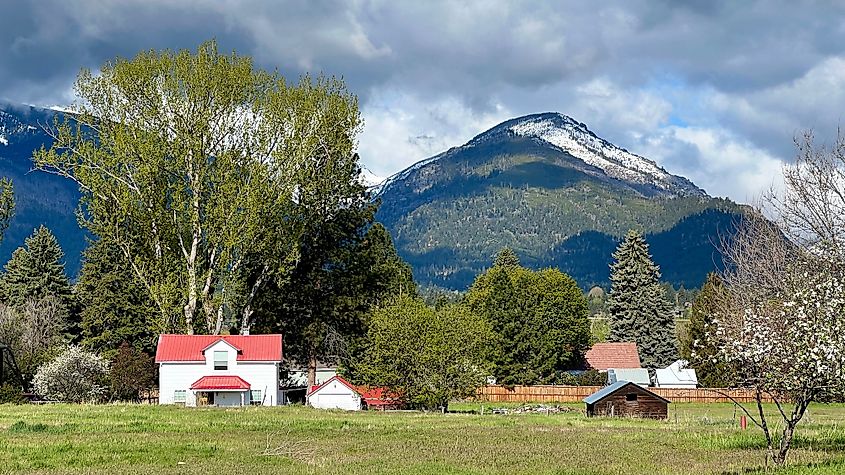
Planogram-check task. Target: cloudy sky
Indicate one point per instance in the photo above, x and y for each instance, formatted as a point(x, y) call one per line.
point(714, 91)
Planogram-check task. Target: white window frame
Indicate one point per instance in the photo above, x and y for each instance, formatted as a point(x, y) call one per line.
point(180, 396)
point(253, 400)
point(225, 360)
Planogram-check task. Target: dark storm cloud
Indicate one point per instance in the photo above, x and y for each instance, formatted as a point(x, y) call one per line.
point(752, 72)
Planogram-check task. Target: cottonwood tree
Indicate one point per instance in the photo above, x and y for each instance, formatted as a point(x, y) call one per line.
point(190, 162)
point(781, 321)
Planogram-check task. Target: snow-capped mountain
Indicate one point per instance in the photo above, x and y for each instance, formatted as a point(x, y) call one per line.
point(549, 188)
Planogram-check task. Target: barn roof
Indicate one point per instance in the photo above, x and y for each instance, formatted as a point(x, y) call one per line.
point(220, 383)
point(603, 356)
point(608, 390)
point(191, 347)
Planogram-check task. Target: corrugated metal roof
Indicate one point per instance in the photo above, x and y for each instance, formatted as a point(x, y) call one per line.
point(220, 382)
point(612, 355)
point(676, 374)
point(638, 376)
point(608, 390)
point(191, 347)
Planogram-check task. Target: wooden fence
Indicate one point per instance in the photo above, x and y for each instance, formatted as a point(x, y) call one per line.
point(577, 393)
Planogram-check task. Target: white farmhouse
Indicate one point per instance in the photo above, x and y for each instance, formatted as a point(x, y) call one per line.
point(219, 370)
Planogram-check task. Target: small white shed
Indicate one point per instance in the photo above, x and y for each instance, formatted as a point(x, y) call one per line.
point(677, 375)
point(336, 393)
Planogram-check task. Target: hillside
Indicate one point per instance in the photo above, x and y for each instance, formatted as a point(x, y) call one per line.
point(549, 188)
point(41, 198)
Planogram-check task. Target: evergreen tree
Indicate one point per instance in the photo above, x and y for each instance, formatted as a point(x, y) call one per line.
point(539, 320)
point(700, 346)
point(639, 311)
point(506, 258)
point(116, 309)
point(36, 271)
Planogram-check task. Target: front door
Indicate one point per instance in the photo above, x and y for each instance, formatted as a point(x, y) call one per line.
point(205, 398)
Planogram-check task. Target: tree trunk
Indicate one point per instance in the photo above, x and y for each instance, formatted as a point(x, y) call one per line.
point(312, 369)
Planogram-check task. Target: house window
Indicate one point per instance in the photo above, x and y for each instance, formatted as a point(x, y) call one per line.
point(255, 397)
point(221, 360)
point(179, 396)
point(631, 397)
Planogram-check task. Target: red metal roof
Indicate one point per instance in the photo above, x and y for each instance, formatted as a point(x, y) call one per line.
point(220, 382)
point(191, 347)
point(603, 356)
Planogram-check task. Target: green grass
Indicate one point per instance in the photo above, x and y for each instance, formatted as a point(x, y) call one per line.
point(697, 438)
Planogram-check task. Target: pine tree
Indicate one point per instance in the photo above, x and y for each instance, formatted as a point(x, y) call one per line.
point(639, 311)
point(506, 258)
point(36, 271)
point(116, 308)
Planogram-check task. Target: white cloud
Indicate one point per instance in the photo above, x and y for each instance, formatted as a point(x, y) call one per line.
point(401, 129)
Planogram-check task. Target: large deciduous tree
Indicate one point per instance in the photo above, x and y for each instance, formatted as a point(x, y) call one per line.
point(429, 356)
point(190, 163)
point(700, 345)
point(539, 320)
point(637, 305)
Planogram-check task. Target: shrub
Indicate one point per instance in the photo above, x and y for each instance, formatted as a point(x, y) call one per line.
point(11, 395)
point(75, 375)
point(131, 372)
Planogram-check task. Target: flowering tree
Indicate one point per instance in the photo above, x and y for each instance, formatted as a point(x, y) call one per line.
point(75, 375)
point(781, 321)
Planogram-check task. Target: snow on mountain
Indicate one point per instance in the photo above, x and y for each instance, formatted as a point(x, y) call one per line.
point(574, 138)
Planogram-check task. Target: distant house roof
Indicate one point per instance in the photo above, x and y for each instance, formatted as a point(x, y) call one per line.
point(677, 374)
point(191, 347)
point(637, 376)
point(608, 390)
point(603, 356)
point(220, 383)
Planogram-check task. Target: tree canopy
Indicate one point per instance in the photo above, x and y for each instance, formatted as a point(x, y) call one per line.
point(190, 163)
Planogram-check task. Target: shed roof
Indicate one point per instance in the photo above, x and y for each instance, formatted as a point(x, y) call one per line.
point(191, 347)
point(603, 356)
point(372, 395)
point(340, 379)
point(636, 375)
point(220, 383)
point(608, 390)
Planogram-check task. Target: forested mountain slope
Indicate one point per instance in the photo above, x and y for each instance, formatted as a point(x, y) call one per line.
point(558, 195)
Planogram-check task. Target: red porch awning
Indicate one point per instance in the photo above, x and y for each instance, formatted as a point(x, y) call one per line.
point(220, 383)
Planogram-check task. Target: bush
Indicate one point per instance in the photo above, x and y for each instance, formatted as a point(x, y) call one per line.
point(75, 375)
point(11, 395)
point(131, 372)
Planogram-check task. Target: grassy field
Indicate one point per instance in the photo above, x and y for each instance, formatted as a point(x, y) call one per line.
point(697, 438)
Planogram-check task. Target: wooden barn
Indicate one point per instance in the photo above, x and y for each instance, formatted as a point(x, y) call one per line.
point(624, 398)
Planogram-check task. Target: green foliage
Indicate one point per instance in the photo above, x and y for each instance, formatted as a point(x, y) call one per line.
point(639, 311)
point(346, 267)
point(428, 356)
point(539, 320)
point(449, 215)
point(10, 394)
point(700, 346)
point(33, 332)
point(599, 329)
point(188, 163)
point(36, 271)
point(115, 306)
point(7, 204)
point(585, 378)
point(130, 372)
point(506, 258)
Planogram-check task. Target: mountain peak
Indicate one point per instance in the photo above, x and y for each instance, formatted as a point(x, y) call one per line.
point(574, 138)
